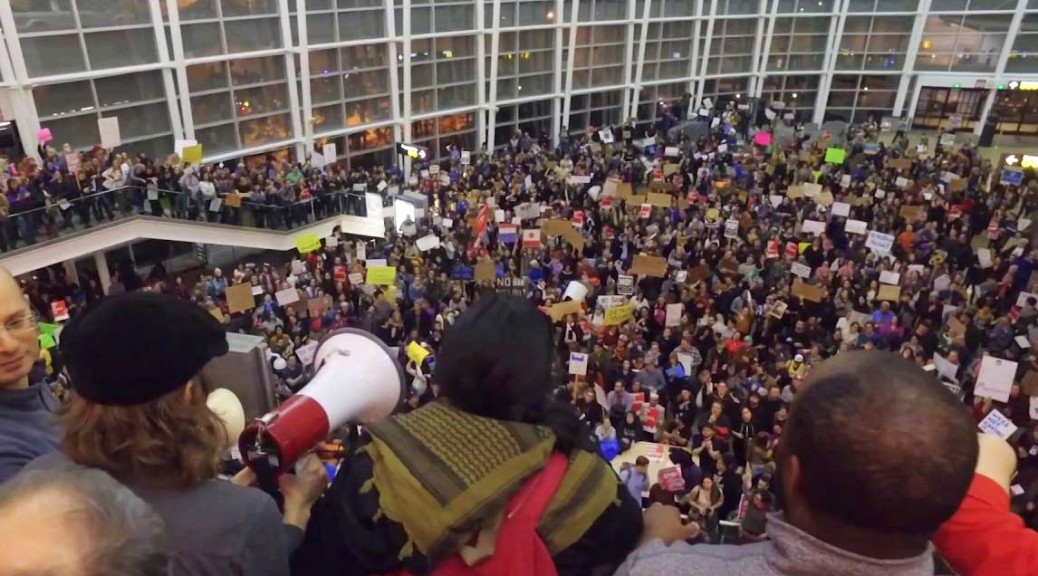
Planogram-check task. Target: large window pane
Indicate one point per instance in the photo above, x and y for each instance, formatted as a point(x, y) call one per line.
point(456, 96)
point(52, 55)
point(217, 139)
point(212, 108)
point(261, 100)
point(36, 16)
point(67, 98)
point(454, 72)
point(370, 139)
point(367, 111)
point(107, 13)
point(453, 18)
point(368, 24)
point(233, 8)
point(116, 90)
point(325, 89)
point(201, 40)
point(202, 77)
point(320, 29)
point(144, 120)
point(257, 70)
point(366, 56)
point(79, 131)
point(324, 62)
point(265, 130)
point(252, 34)
point(328, 118)
point(116, 48)
point(196, 10)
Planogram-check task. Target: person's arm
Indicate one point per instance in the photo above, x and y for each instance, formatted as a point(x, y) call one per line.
point(983, 537)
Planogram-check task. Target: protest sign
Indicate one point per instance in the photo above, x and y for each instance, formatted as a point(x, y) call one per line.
point(625, 285)
point(879, 242)
point(578, 364)
point(417, 353)
point(899, 163)
point(948, 370)
point(619, 314)
point(835, 155)
point(356, 278)
point(888, 293)
point(644, 265)
point(192, 154)
point(660, 200)
point(287, 296)
point(807, 291)
point(674, 312)
point(426, 243)
point(486, 272)
point(240, 298)
point(531, 238)
point(995, 378)
point(108, 128)
point(381, 275)
point(889, 277)
point(731, 229)
point(813, 227)
point(856, 227)
point(802, 270)
point(307, 243)
point(563, 309)
point(59, 310)
point(841, 209)
point(995, 423)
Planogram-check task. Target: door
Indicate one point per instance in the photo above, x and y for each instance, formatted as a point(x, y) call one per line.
point(948, 108)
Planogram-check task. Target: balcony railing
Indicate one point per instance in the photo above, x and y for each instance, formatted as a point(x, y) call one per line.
point(62, 217)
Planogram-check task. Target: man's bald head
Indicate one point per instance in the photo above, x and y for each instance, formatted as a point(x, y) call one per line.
point(19, 344)
point(880, 445)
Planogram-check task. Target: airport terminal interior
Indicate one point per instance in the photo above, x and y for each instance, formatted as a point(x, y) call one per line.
point(651, 276)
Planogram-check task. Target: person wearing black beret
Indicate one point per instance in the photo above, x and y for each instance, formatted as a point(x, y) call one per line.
point(138, 412)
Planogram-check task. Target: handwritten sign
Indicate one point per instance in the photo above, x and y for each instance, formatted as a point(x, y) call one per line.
point(619, 314)
point(381, 275)
point(879, 242)
point(578, 364)
point(996, 424)
point(995, 378)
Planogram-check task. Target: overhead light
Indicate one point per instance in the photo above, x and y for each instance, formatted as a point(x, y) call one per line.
point(737, 96)
point(794, 94)
point(550, 15)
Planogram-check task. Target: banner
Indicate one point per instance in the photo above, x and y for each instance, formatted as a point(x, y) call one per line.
point(619, 315)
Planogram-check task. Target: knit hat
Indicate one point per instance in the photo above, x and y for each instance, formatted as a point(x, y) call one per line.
point(135, 348)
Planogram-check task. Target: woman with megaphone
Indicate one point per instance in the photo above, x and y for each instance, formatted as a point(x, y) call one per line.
point(139, 413)
point(493, 478)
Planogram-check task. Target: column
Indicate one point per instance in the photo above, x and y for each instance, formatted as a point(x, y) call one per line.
point(70, 271)
point(102, 271)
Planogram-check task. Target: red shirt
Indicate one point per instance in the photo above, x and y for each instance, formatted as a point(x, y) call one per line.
point(984, 538)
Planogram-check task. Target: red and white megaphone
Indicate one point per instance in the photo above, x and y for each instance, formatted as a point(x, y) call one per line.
point(357, 380)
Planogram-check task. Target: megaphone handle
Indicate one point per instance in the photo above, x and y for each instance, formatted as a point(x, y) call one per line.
point(267, 479)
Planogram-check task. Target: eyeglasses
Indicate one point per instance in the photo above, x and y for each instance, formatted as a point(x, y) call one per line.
point(21, 324)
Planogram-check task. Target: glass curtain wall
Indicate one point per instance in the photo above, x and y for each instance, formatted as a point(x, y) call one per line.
point(92, 59)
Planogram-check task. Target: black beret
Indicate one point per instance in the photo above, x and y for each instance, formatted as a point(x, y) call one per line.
point(135, 348)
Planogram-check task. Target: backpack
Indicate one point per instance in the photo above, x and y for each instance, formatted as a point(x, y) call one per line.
point(519, 550)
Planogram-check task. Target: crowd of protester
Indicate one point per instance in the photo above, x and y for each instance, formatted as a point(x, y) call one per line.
point(693, 285)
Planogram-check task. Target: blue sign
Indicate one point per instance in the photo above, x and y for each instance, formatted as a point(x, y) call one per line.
point(463, 273)
point(1012, 177)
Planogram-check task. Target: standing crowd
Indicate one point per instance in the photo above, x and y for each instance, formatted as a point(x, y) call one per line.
point(693, 287)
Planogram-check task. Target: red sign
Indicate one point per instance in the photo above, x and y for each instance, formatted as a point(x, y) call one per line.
point(671, 480)
point(531, 238)
point(639, 399)
point(773, 249)
point(607, 202)
point(340, 273)
point(645, 212)
point(59, 310)
point(578, 218)
point(792, 250)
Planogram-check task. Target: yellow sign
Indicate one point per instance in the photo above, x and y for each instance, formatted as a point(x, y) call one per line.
point(381, 275)
point(619, 314)
point(417, 353)
point(308, 243)
point(713, 214)
point(1029, 161)
point(192, 154)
